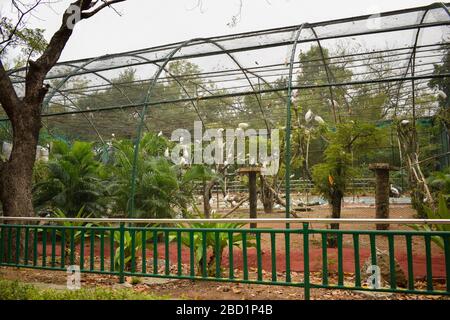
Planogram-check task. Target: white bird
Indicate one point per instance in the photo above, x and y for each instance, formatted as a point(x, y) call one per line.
point(166, 153)
point(394, 192)
point(243, 125)
point(181, 139)
point(213, 212)
point(227, 196)
point(211, 201)
point(234, 203)
point(292, 176)
point(185, 153)
point(182, 161)
point(277, 206)
point(160, 134)
point(225, 163)
point(113, 135)
point(309, 116)
point(319, 120)
point(441, 94)
point(404, 122)
point(220, 130)
point(333, 103)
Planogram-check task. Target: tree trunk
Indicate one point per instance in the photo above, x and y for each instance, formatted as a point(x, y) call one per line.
point(207, 195)
point(336, 203)
point(16, 174)
point(267, 197)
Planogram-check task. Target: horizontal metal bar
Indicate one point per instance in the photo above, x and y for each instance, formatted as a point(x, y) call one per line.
point(245, 220)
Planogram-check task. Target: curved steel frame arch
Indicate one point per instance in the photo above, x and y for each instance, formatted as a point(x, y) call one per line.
point(412, 63)
point(288, 123)
point(328, 73)
point(149, 92)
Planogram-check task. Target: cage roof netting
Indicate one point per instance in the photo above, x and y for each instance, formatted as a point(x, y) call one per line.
point(251, 76)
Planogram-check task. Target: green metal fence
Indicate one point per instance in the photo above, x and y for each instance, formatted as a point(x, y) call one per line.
point(169, 254)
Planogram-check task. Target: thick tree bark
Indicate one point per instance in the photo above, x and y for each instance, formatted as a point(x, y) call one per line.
point(16, 174)
point(336, 204)
point(267, 197)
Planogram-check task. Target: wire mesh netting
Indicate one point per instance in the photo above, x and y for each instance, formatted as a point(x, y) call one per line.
point(377, 70)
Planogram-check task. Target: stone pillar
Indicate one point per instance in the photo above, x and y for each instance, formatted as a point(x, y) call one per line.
point(382, 192)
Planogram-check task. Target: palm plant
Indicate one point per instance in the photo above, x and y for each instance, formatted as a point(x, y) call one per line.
point(72, 180)
point(442, 212)
point(161, 189)
point(214, 248)
point(67, 232)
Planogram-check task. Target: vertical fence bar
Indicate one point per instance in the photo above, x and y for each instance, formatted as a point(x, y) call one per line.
point(111, 250)
point(35, 246)
point(273, 254)
point(340, 260)
point(72, 246)
point(10, 244)
point(44, 247)
point(392, 273)
point(218, 255)
point(287, 247)
point(179, 254)
point(155, 252)
point(324, 259)
point(92, 252)
point(27, 245)
point(63, 247)
point(166, 253)
point(2, 244)
point(230, 254)
point(144, 251)
point(18, 231)
point(244, 254)
point(306, 260)
point(204, 254)
point(447, 260)
point(259, 255)
point(191, 253)
point(82, 238)
point(373, 249)
point(357, 260)
point(102, 250)
point(429, 262)
point(122, 253)
point(133, 250)
point(53, 247)
point(409, 254)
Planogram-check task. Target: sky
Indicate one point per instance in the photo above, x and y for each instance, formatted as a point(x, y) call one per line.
point(148, 23)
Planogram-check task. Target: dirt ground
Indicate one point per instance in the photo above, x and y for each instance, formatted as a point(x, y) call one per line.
point(201, 290)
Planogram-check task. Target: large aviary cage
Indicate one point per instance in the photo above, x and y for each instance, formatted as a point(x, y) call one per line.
point(377, 69)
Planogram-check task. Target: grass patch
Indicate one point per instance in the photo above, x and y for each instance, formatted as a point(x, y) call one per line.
point(14, 290)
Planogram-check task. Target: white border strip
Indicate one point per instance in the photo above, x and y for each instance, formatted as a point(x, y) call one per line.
point(259, 220)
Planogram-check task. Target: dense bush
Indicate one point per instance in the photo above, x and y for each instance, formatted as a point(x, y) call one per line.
point(14, 290)
point(72, 180)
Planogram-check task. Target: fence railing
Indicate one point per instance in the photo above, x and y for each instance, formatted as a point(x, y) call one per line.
point(300, 255)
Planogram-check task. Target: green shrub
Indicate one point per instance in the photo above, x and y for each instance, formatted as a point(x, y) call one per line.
point(14, 290)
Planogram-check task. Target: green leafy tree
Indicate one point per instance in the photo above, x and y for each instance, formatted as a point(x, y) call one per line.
point(331, 178)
